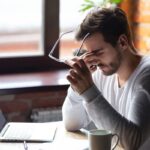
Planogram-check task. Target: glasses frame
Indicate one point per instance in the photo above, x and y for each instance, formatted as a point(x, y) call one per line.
point(56, 43)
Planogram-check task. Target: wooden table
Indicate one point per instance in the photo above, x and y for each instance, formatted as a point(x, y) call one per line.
point(63, 141)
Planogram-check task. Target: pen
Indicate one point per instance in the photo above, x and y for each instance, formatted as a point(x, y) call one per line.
point(25, 145)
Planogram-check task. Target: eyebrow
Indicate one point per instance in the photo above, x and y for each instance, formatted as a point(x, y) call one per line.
point(96, 50)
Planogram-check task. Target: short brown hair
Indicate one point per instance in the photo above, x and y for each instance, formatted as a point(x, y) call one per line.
point(110, 22)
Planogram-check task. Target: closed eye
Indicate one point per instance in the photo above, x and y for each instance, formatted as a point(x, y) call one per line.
point(97, 51)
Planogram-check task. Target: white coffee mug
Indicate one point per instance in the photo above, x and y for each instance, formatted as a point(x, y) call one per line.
point(101, 140)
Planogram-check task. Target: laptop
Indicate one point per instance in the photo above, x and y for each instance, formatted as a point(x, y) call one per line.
point(26, 131)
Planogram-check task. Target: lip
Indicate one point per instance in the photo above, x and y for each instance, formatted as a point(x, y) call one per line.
point(102, 67)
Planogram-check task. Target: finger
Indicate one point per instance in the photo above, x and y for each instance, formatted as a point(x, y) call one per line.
point(84, 66)
point(93, 68)
point(70, 62)
point(77, 66)
point(71, 80)
point(75, 75)
point(75, 59)
point(81, 68)
point(91, 62)
point(90, 57)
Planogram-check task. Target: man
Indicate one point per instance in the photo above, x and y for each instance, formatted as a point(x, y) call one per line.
point(146, 145)
point(116, 96)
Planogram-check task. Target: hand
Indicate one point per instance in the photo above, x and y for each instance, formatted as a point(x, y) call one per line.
point(80, 76)
point(91, 61)
point(70, 62)
point(86, 57)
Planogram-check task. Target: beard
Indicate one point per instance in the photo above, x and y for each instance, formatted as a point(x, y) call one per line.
point(112, 67)
point(108, 69)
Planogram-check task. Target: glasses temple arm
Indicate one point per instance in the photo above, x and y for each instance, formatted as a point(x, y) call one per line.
point(77, 53)
point(51, 52)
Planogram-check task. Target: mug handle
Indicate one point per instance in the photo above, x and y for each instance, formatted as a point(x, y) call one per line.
point(114, 146)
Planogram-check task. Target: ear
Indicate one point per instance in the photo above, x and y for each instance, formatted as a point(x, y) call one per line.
point(123, 42)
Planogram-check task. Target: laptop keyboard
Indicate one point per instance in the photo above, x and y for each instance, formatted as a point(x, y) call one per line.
point(16, 133)
point(28, 132)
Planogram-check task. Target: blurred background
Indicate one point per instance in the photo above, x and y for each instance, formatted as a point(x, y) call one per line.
point(28, 31)
point(21, 26)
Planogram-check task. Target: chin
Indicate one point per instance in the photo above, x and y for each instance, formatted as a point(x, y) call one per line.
point(108, 72)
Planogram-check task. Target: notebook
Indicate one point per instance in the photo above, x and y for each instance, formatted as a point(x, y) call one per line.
point(31, 132)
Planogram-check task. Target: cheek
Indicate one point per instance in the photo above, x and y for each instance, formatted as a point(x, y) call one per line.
point(109, 58)
point(106, 57)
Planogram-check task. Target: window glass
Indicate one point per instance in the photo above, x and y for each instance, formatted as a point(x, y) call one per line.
point(28, 29)
point(20, 28)
point(70, 18)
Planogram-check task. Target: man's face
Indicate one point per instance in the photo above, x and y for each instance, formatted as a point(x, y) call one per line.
point(102, 54)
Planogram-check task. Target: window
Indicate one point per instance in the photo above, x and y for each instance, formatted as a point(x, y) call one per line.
point(20, 29)
point(25, 46)
point(29, 29)
point(70, 18)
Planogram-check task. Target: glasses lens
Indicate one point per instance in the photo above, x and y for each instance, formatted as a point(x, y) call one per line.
point(69, 46)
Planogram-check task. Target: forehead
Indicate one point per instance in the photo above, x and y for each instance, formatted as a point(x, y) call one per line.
point(95, 40)
point(95, 37)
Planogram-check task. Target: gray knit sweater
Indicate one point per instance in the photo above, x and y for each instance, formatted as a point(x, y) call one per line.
point(125, 111)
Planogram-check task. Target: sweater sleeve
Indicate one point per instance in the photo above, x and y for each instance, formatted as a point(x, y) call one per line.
point(132, 131)
point(74, 114)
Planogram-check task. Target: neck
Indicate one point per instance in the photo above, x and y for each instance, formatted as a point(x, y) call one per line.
point(129, 63)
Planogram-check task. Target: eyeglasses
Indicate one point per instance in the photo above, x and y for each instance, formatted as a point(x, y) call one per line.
point(56, 43)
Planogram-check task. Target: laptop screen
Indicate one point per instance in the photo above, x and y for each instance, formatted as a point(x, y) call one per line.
point(2, 120)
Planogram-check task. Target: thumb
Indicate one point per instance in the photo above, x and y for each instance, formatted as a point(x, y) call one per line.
point(70, 62)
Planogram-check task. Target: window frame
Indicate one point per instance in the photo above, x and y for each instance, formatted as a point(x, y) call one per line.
point(50, 33)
